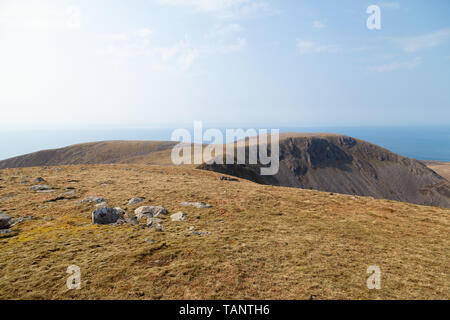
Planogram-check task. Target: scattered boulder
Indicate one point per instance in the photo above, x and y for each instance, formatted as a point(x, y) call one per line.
point(150, 240)
point(155, 223)
point(179, 216)
point(39, 180)
point(101, 205)
point(93, 199)
point(24, 182)
point(199, 205)
point(105, 216)
point(149, 212)
point(154, 220)
point(201, 234)
point(135, 201)
point(40, 187)
point(4, 220)
point(224, 178)
point(45, 191)
point(130, 219)
point(15, 221)
point(6, 231)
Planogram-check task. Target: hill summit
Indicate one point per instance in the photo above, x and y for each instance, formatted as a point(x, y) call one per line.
point(341, 164)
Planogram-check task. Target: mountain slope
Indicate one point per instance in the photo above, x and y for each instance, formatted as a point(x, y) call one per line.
point(149, 152)
point(342, 164)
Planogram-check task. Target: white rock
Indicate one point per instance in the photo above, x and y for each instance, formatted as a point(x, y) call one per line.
point(149, 212)
point(179, 216)
point(135, 201)
point(199, 205)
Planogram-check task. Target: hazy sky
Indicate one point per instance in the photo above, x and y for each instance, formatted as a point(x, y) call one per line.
point(150, 62)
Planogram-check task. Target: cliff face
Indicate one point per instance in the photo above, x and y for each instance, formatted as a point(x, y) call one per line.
point(346, 165)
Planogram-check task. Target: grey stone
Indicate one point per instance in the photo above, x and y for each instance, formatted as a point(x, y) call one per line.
point(105, 216)
point(93, 199)
point(201, 234)
point(101, 205)
point(4, 220)
point(135, 201)
point(149, 212)
point(130, 219)
point(45, 191)
point(155, 223)
point(224, 178)
point(179, 216)
point(39, 180)
point(156, 226)
point(154, 220)
point(15, 221)
point(40, 187)
point(199, 205)
point(6, 231)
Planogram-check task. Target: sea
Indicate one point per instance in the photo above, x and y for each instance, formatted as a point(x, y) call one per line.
point(419, 142)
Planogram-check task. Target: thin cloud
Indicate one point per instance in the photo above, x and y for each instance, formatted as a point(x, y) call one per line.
point(30, 17)
point(223, 8)
point(308, 47)
point(318, 24)
point(390, 5)
point(225, 39)
point(408, 65)
point(129, 45)
point(417, 43)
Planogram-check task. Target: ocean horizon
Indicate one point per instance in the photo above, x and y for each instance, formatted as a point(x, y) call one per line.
point(419, 142)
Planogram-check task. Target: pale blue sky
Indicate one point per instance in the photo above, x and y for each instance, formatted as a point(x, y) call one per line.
point(286, 62)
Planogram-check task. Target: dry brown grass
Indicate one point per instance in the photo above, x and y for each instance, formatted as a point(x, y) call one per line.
point(442, 168)
point(266, 242)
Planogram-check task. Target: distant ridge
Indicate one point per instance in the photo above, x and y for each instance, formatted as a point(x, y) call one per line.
point(105, 152)
point(322, 161)
point(342, 164)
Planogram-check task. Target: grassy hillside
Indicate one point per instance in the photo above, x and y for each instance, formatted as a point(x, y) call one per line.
point(147, 152)
point(266, 242)
point(442, 168)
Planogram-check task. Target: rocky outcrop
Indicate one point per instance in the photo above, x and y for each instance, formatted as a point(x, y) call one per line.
point(4, 220)
point(105, 216)
point(341, 164)
point(149, 212)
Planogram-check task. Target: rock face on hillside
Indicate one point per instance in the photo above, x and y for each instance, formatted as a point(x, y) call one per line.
point(342, 164)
